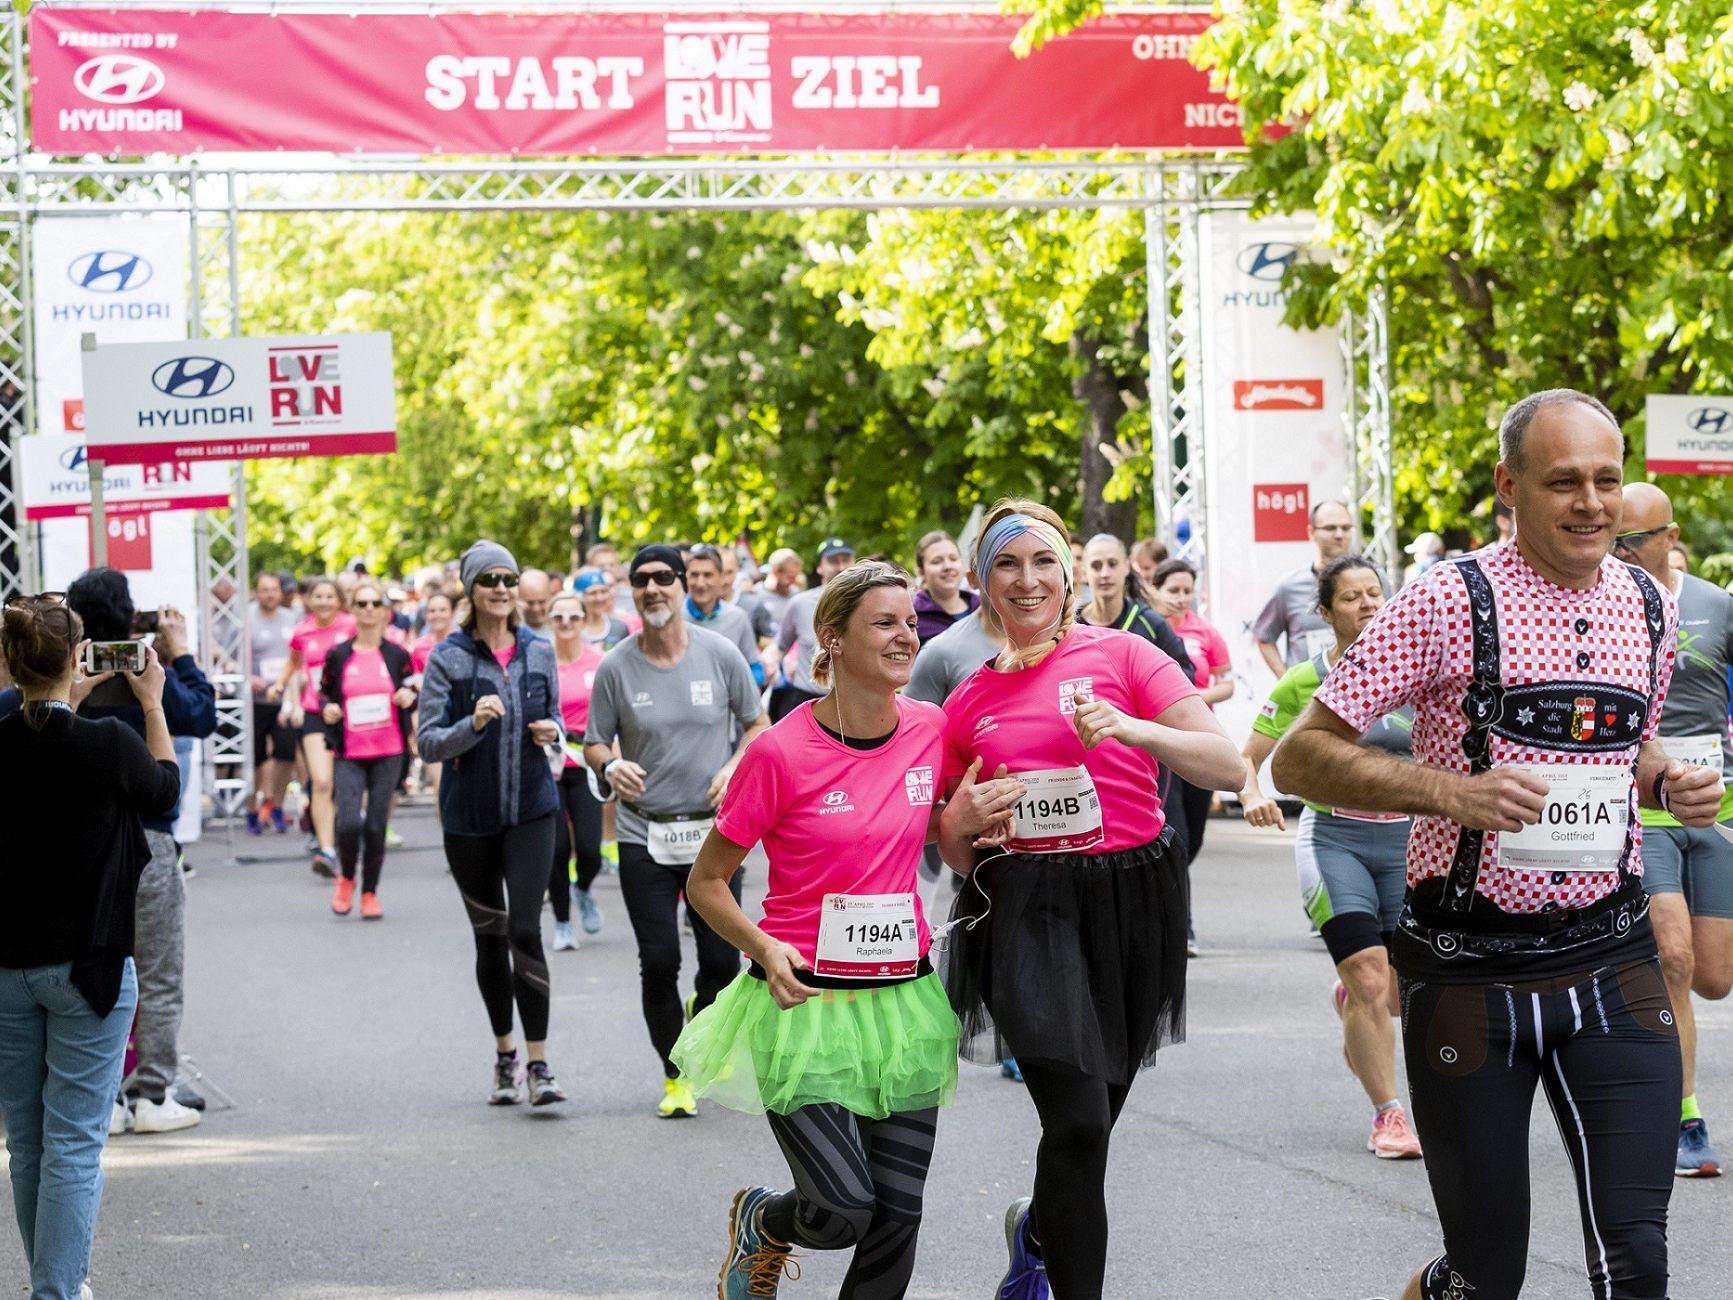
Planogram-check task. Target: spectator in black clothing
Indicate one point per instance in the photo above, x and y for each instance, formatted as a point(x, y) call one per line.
point(72, 793)
point(103, 600)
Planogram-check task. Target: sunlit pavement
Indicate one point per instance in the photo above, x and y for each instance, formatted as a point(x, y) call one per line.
point(359, 1162)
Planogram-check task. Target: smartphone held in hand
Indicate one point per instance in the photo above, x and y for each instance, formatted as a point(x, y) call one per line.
point(114, 657)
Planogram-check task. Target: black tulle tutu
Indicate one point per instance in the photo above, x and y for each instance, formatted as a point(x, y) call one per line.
point(1073, 960)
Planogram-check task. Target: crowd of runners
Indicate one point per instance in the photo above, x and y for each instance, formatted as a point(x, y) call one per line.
point(1514, 837)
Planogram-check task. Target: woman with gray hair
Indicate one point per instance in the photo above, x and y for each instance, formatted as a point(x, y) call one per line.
point(490, 705)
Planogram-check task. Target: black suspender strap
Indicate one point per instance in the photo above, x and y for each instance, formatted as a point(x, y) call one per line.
point(1483, 702)
point(1655, 619)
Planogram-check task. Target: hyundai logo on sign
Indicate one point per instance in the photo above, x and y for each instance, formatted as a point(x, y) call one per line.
point(1268, 261)
point(72, 459)
point(1709, 419)
point(118, 79)
point(110, 271)
point(192, 377)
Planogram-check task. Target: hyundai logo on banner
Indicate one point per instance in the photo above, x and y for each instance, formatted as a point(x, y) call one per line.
point(1713, 420)
point(1268, 261)
point(72, 459)
point(110, 271)
point(192, 377)
point(118, 79)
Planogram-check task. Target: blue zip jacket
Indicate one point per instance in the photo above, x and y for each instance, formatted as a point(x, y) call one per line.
point(498, 777)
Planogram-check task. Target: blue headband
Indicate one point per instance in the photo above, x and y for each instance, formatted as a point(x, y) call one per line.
point(996, 538)
point(587, 579)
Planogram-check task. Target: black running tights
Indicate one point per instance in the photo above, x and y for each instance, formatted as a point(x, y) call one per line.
point(362, 835)
point(577, 828)
point(489, 870)
point(1604, 1049)
point(1069, 1215)
point(857, 1182)
point(652, 893)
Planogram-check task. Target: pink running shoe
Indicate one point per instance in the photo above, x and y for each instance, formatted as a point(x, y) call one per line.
point(1393, 1137)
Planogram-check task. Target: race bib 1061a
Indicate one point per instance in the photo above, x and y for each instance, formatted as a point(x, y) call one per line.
point(1582, 827)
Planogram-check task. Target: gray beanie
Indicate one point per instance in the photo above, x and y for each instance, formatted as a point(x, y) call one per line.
point(481, 557)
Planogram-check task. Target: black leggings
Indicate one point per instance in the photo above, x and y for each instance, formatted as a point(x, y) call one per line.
point(857, 1182)
point(583, 836)
point(1604, 1048)
point(1068, 1218)
point(652, 893)
point(363, 835)
point(508, 944)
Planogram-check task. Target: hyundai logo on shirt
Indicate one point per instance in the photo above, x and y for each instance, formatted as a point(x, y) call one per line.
point(109, 271)
point(192, 377)
point(118, 79)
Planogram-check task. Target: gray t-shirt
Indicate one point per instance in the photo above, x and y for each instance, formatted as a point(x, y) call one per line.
point(751, 604)
point(269, 634)
point(943, 663)
point(730, 621)
point(797, 629)
point(676, 723)
point(1292, 613)
point(1696, 703)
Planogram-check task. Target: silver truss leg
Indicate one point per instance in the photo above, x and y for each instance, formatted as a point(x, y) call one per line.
point(222, 534)
point(1371, 465)
point(1176, 359)
point(16, 405)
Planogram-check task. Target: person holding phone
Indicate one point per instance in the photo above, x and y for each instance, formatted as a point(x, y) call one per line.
point(153, 1102)
point(490, 706)
point(327, 623)
point(73, 791)
point(366, 700)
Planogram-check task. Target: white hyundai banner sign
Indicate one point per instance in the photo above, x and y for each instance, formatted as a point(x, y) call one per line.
point(1688, 435)
point(1276, 439)
point(57, 482)
point(241, 399)
point(122, 279)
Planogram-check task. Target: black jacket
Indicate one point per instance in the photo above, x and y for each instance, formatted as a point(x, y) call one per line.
point(397, 665)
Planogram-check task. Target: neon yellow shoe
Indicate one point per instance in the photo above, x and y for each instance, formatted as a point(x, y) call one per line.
point(677, 1100)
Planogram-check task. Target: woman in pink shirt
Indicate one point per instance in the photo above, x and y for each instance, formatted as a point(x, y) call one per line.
point(326, 624)
point(366, 704)
point(840, 1032)
point(1071, 954)
point(437, 613)
point(578, 826)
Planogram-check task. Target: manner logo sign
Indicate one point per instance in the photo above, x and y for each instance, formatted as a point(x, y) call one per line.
point(241, 399)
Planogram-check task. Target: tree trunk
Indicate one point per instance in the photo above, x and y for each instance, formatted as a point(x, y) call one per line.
point(1098, 389)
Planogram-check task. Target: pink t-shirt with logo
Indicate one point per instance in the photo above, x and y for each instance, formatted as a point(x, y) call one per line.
point(314, 643)
point(576, 679)
point(835, 820)
point(370, 727)
point(1023, 719)
point(1204, 646)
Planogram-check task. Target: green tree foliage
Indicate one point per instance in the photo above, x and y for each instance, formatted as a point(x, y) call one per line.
point(696, 375)
point(1542, 187)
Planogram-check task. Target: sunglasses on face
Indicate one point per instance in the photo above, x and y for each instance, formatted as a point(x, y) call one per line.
point(369, 604)
point(661, 577)
point(1630, 541)
point(491, 580)
point(565, 620)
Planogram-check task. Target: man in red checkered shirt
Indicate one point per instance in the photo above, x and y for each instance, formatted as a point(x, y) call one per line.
point(1536, 670)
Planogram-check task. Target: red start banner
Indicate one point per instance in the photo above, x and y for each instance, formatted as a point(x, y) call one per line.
point(143, 81)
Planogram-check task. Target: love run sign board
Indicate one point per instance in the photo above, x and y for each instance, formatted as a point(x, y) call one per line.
point(240, 399)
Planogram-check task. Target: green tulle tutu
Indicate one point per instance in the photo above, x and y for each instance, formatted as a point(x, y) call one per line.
point(873, 1051)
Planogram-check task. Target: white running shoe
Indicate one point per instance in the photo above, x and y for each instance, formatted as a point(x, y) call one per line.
point(84, 1291)
point(565, 938)
point(120, 1120)
point(165, 1116)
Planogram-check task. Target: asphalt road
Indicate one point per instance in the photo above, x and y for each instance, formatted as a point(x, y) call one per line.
point(357, 1160)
